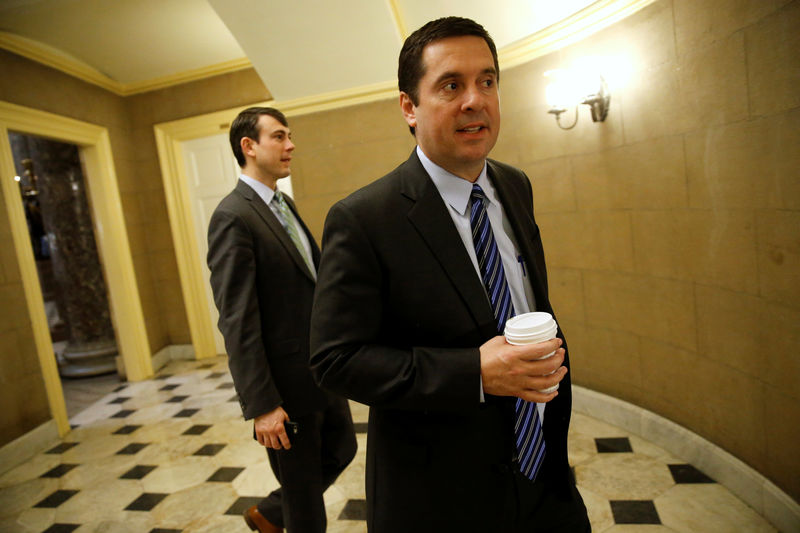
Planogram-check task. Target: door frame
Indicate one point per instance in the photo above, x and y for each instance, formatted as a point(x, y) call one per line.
point(110, 235)
point(169, 137)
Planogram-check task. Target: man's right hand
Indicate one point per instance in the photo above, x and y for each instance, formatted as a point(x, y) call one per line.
point(510, 370)
point(270, 430)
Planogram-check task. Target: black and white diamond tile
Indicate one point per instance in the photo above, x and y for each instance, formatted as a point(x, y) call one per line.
point(226, 474)
point(174, 454)
point(197, 429)
point(634, 512)
point(683, 473)
point(126, 430)
point(62, 528)
point(56, 498)
point(146, 501)
point(59, 470)
point(138, 472)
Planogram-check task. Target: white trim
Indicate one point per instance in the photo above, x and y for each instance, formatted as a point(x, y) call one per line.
point(27, 445)
point(751, 487)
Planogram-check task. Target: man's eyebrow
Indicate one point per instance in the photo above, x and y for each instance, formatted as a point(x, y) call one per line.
point(456, 75)
point(448, 76)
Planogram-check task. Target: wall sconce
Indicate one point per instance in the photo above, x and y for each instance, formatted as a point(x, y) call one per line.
point(571, 88)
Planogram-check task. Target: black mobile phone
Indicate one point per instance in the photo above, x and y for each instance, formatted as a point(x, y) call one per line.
point(292, 428)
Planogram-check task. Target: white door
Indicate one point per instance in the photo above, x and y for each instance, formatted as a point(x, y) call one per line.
point(212, 173)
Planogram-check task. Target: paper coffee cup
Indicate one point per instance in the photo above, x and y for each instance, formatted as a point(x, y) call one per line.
point(532, 328)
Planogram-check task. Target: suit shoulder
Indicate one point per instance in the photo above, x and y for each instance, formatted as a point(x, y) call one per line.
point(506, 170)
point(376, 195)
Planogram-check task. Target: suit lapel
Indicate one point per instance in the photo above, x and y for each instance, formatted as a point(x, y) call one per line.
point(429, 216)
point(311, 242)
point(275, 226)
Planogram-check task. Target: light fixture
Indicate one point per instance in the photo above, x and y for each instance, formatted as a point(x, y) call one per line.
point(571, 88)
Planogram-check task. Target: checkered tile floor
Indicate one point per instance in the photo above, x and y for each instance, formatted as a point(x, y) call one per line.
point(173, 454)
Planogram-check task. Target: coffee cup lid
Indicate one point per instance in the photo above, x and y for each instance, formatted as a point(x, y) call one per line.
point(529, 323)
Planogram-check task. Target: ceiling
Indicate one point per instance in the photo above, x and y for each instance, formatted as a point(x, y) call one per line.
point(300, 49)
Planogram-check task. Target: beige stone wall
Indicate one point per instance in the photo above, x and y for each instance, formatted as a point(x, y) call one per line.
point(130, 124)
point(672, 230)
point(29, 84)
point(22, 395)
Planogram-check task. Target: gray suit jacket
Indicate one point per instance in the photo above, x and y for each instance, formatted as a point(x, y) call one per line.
point(264, 292)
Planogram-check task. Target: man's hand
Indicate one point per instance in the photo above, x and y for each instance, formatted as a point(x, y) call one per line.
point(509, 370)
point(270, 431)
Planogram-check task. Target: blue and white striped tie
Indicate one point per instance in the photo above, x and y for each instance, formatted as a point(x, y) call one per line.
point(528, 429)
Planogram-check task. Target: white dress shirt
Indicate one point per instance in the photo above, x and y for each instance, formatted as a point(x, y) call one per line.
point(266, 194)
point(456, 193)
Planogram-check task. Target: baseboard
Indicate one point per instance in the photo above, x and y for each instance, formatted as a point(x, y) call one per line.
point(172, 352)
point(743, 481)
point(26, 446)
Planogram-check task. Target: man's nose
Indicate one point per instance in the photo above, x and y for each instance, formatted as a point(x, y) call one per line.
point(474, 99)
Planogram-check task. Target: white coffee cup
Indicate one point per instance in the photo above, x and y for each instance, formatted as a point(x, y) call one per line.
point(532, 328)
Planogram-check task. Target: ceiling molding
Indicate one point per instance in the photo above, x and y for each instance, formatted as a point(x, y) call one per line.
point(51, 57)
point(188, 75)
point(581, 25)
point(339, 99)
point(399, 21)
point(596, 17)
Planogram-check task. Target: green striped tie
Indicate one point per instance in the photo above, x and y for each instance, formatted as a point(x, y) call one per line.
point(287, 221)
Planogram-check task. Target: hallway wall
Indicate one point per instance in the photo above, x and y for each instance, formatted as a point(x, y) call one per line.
point(22, 394)
point(129, 121)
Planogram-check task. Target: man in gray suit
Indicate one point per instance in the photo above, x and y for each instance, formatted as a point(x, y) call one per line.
point(407, 318)
point(263, 272)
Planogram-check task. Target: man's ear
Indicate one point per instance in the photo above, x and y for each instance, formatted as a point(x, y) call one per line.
point(246, 144)
point(409, 109)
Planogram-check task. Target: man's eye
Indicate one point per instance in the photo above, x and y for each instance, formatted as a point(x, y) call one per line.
point(452, 86)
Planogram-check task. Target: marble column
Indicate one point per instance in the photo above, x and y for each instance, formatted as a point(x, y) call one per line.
point(55, 171)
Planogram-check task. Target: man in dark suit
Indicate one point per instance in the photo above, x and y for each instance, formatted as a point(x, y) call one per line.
point(405, 320)
point(263, 271)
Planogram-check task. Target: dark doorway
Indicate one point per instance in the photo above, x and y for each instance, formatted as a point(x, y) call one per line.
point(57, 210)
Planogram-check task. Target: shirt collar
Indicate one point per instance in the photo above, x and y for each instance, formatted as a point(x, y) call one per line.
point(262, 190)
point(454, 190)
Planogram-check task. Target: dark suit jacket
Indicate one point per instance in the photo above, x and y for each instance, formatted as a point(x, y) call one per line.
point(398, 319)
point(264, 291)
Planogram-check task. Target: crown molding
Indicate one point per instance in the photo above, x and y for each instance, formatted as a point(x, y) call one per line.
point(596, 17)
point(587, 21)
point(337, 99)
point(186, 76)
point(51, 57)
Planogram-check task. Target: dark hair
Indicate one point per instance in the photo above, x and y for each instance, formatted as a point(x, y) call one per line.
point(246, 125)
point(410, 68)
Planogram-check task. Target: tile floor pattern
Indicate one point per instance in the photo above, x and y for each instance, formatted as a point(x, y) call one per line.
point(173, 454)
